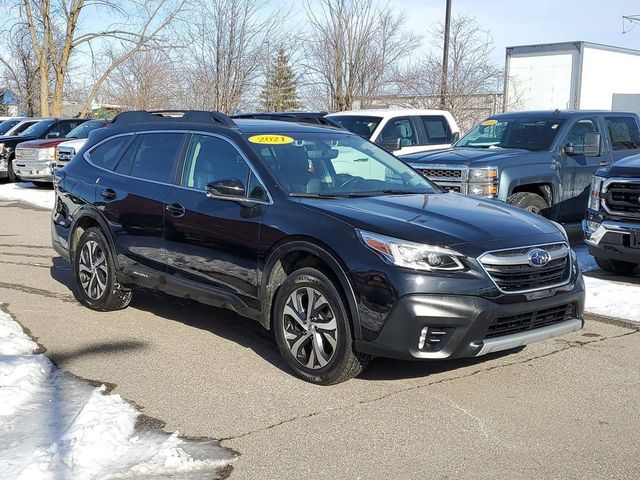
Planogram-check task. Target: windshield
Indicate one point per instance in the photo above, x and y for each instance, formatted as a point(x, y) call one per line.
point(358, 124)
point(529, 134)
point(7, 125)
point(82, 130)
point(37, 129)
point(336, 165)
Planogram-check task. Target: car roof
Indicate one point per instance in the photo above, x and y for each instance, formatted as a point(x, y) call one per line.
point(557, 113)
point(387, 112)
point(277, 126)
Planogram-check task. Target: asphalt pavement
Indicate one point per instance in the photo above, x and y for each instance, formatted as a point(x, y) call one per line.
point(565, 408)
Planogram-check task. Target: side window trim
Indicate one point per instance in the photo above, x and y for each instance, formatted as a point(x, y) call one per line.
point(252, 170)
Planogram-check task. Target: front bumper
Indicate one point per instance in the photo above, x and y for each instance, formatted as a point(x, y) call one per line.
point(612, 239)
point(34, 171)
point(465, 326)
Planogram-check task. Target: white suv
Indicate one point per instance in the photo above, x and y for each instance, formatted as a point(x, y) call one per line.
point(402, 131)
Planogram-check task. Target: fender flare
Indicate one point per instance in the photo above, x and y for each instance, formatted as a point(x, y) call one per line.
point(325, 254)
point(87, 211)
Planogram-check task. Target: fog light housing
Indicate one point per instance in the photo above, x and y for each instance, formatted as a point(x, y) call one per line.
point(480, 190)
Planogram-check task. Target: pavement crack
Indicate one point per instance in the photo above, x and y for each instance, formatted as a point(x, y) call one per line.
point(22, 245)
point(38, 291)
point(26, 264)
point(567, 346)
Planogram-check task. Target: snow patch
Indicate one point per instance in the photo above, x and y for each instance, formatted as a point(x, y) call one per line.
point(28, 193)
point(56, 426)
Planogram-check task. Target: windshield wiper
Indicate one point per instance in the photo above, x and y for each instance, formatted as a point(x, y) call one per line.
point(318, 195)
point(389, 191)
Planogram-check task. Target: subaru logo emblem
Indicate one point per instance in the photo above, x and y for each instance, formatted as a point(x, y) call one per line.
point(539, 257)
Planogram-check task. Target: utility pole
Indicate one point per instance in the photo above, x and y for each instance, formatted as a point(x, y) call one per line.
point(445, 57)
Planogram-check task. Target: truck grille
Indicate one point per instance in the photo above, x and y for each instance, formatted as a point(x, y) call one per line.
point(522, 322)
point(452, 179)
point(27, 154)
point(65, 154)
point(441, 173)
point(512, 271)
point(623, 198)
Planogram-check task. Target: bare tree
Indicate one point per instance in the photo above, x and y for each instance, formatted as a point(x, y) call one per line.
point(20, 70)
point(472, 75)
point(56, 33)
point(229, 48)
point(352, 47)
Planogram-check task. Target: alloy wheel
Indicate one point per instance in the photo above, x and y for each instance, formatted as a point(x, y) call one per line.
point(92, 270)
point(310, 328)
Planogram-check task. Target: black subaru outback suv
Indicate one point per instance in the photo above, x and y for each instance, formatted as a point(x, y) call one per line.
point(341, 249)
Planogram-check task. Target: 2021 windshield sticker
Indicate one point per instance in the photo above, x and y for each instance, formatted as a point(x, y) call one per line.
point(270, 139)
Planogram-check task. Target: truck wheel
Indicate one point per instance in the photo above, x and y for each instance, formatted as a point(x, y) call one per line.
point(616, 266)
point(11, 174)
point(312, 329)
point(531, 202)
point(95, 274)
point(43, 184)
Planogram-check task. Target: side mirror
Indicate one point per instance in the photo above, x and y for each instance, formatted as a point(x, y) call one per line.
point(568, 149)
point(455, 137)
point(230, 187)
point(592, 142)
point(53, 135)
point(391, 144)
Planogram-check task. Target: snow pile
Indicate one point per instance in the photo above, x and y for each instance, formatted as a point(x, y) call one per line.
point(28, 193)
point(55, 426)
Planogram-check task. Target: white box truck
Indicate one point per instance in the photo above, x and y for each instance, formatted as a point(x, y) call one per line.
point(569, 76)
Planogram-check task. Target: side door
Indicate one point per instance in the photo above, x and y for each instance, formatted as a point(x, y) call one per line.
point(400, 136)
point(624, 135)
point(131, 196)
point(211, 232)
point(435, 132)
point(577, 168)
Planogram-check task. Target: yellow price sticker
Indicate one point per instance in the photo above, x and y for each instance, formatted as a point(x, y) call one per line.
point(488, 123)
point(270, 139)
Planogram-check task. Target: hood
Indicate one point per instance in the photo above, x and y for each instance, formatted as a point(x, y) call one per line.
point(467, 156)
point(75, 143)
point(45, 143)
point(15, 139)
point(627, 167)
point(471, 224)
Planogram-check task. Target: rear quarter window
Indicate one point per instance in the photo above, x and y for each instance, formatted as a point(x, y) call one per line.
point(107, 153)
point(624, 132)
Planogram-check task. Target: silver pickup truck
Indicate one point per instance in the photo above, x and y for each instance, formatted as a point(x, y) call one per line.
point(541, 161)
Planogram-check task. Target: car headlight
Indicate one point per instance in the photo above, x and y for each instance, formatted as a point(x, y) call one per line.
point(594, 193)
point(483, 175)
point(413, 255)
point(47, 153)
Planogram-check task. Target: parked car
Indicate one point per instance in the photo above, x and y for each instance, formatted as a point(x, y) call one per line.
point(256, 216)
point(612, 223)
point(68, 148)
point(36, 159)
point(401, 131)
point(49, 128)
point(9, 123)
point(540, 161)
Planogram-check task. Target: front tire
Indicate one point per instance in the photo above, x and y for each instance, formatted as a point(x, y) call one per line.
point(531, 202)
point(94, 272)
point(11, 173)
point(313, 331)
point(616, 266)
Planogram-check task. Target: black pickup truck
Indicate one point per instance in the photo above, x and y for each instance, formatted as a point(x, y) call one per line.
point(612, 223)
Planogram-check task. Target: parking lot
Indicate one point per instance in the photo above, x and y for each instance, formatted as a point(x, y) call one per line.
point(564, 408)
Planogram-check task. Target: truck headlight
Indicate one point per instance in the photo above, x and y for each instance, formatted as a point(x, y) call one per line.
point(47, 153)
point(594, 193)
point(483, 182)
point(416, 256)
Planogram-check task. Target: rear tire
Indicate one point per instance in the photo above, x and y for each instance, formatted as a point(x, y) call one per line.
point(11, 174)
point(95, 276)
point(531, 202)
point(616, 266)
point(312, 329)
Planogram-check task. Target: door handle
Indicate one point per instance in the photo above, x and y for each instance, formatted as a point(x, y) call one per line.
point(109, 194)
point(175, 209)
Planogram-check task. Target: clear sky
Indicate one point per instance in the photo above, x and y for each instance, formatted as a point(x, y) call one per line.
point(524, 22)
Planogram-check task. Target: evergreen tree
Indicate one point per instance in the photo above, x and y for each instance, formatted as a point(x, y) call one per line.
point(280, 91)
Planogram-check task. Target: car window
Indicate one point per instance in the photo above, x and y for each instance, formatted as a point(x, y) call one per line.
point(7, 125)
point(437, 129)
point(256, 191)
point(38, 128)
point(107, 153)
point(579, 131)
point(624, 133)
point(527, 133)
point(362, 125)
point(211, 159)
point(398, 133)
point(65, 126)
point(21, 128)
point(82, 130)
point(152, 157)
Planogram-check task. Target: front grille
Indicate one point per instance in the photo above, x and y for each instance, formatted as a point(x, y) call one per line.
point(435, 173)
point(512, 271)
point(452, 188)
point(522, 322)
point(65, 154)
point(26, 154)
point(623, 198)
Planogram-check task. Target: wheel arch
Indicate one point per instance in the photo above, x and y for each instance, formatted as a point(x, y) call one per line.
point(294, 253)
point(544, 189)
point(85, 219)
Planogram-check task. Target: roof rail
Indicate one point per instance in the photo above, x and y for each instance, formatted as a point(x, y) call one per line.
point(196, 116)
point(315, 118)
